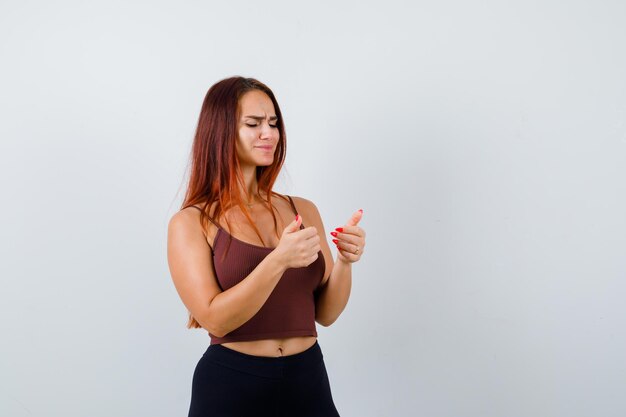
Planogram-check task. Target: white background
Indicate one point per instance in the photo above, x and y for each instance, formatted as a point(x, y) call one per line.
point(485, 141)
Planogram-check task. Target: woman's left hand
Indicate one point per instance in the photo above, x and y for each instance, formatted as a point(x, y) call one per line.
point(350, 239)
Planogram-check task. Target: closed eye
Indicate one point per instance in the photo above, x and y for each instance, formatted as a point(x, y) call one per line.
point(249, 125)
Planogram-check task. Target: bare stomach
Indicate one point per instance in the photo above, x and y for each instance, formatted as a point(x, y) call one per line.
point(273, 347)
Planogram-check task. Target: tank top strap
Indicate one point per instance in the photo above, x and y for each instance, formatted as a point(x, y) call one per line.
point(294, 209)
point(209, 217)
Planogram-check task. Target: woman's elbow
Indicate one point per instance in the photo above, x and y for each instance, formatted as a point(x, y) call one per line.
point(211, 326)
point(324, 322)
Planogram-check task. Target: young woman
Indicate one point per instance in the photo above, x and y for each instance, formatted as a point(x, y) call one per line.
point(253, 266)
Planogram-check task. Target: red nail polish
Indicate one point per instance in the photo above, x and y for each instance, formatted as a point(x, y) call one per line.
point(334, 233)
point(361, 210)
point(335, 241)
point(339, 229)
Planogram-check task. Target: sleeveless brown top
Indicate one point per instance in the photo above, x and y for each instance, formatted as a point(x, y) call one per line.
point(290, 308)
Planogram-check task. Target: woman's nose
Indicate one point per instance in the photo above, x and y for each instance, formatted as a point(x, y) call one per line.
point(267, 130)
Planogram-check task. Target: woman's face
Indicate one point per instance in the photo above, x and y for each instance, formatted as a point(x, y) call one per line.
point(258, 131)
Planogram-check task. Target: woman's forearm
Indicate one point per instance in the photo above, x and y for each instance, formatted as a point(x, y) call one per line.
point(333, 297)
point(235, 306)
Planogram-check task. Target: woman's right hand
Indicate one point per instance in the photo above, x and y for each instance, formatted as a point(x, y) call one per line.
point(298, 248)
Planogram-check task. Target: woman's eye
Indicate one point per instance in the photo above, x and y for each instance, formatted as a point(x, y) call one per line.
point(272, 126)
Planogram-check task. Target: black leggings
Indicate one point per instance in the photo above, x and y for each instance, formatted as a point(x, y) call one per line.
point(227, 383)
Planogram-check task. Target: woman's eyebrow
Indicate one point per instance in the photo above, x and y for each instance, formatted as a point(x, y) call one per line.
point(261, 117)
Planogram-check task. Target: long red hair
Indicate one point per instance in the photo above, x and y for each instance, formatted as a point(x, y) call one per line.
point(214, 167)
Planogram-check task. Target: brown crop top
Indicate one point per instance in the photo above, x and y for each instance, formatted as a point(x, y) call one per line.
point(290, 308)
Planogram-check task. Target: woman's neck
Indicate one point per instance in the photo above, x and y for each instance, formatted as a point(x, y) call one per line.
point(251, 196)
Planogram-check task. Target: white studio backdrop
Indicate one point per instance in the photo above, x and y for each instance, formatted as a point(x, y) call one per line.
point(485, 141)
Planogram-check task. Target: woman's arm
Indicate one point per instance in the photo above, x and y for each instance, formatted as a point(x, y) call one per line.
point(191, 267)
point(333, 296)
point(334, 291)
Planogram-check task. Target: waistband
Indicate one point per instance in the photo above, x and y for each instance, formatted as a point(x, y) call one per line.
point(263, 366)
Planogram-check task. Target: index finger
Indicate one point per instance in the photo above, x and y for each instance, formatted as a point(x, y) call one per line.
point(353, 230)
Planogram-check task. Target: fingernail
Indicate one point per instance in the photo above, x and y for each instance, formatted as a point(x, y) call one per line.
point(297, 215)
point(335, 241)
point(339, 229)
point(361, 210)
point(334, 233)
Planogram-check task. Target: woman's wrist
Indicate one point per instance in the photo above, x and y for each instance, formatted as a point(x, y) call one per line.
point(342, 261)
point(277, 261)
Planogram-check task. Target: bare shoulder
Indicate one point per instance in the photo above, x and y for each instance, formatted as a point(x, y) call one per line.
point(184, 225)
point(305, 205)
point(186, 219)
point(310, 213)
point(190, 216)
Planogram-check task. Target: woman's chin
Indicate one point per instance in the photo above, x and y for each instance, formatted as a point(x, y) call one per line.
point(265, 162)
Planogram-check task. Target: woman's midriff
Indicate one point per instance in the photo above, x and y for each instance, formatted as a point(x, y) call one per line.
point(273, 347)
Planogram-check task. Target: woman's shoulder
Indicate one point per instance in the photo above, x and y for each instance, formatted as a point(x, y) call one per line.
point(298, 200)
point(303, 205)
point(196, 209)
point(190, 216)
point(184, 221)
point(188, 213)
point(193, 212)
